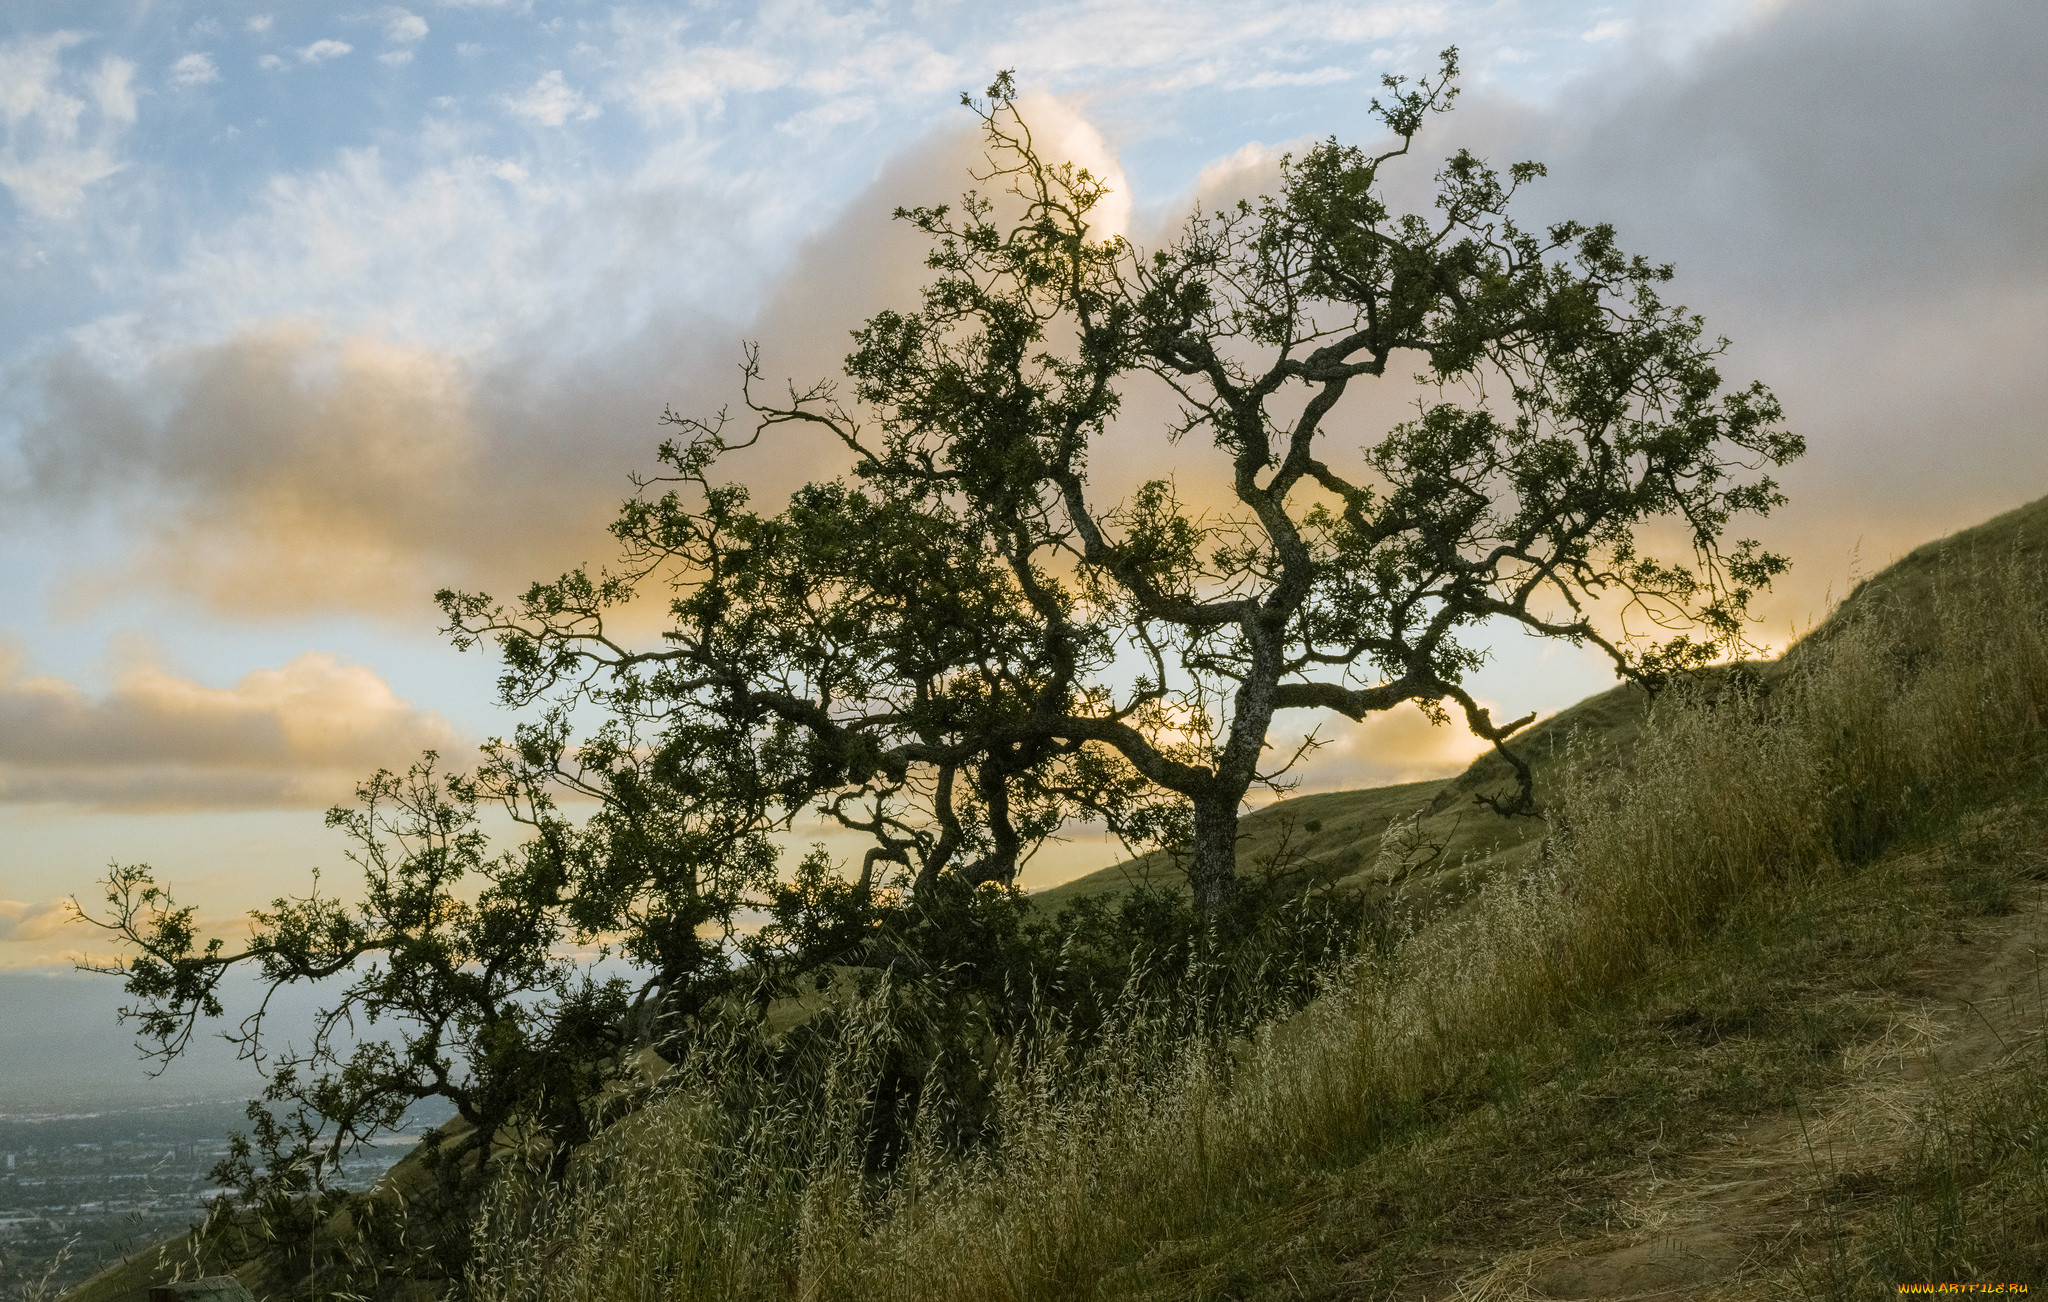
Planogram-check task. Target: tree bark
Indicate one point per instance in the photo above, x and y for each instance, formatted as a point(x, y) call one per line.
point(1213, 873)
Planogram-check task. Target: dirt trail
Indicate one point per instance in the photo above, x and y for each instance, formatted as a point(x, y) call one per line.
point(1726, 1220)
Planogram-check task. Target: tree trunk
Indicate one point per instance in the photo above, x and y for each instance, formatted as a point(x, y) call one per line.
point(1213, 873)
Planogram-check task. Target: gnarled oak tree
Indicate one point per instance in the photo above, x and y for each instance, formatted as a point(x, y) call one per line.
point(964, 642)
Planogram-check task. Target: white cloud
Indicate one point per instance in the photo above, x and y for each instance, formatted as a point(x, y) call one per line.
point(395, 58)
point(1203, 40)
point(900, 64)
point(405, 28)
point(385, 380)
point(499, 267)
point(194, 70)
point(49, 156)
point(1379, 22)
point(664, 74)
point(1273, 80)
point(296, 736)
point(260, 23)
point(1612, 29)
point(113, 88)
point(270, 63)
point(322, 50)
point(1064, 133)
point(551, 102)
point(833, 113)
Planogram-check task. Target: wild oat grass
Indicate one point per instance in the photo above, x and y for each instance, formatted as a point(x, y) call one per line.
point(1883, 725)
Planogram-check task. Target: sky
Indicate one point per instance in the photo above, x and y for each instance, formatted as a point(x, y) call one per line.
point(306, 312)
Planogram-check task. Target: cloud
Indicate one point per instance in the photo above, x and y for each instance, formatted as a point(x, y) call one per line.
point(194, 70)
point(48, 156)
point(551, 101)
point(1063, 133)
point(1401, 745)
point(405, 28)
point(21, 922)
point(491, 344)
point(395, 58)
point(703, 78)
point(1853, 195)
point(1203, 43)
point(332, 469)
point(298, 736)
point(299, 463)
point(1323, 76)
point(260, 23)
point(304, 464)
point(113, 89)
point(323, 50)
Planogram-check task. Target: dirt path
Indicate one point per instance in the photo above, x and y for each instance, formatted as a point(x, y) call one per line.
point(1729, 1218)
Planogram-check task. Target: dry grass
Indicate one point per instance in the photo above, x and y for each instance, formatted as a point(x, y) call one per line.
point(1109, 1179)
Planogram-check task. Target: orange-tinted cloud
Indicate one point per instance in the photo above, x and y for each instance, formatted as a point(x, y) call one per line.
point(23, 923)
point(299, 736)
point(286, 470)
point(1399, 746)
point(294, 472)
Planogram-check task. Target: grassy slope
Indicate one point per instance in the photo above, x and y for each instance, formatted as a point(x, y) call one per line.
point(1530, 1167)
point(1337, 837)
point(1333, 835)
point(1844, 1088)
point(1744, 1123)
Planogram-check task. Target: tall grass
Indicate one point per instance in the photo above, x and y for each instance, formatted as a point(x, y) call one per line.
point(1883, 725)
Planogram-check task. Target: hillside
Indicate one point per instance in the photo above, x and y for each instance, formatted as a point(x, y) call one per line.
point(1336, 836)
point(1768, 1022)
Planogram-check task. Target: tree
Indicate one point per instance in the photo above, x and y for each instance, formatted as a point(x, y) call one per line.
point(457, 975)
point(962, 644)
point(965, 643)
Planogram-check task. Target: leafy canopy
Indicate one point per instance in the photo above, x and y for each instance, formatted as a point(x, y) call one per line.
point(964, 642)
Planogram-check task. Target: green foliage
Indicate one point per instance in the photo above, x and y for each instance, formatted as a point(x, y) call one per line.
point(1707, 937)
point(446, 979)
point(965, 643)
point(456, 953)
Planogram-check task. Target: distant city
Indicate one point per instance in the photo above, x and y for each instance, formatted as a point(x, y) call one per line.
point(98, 1188)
